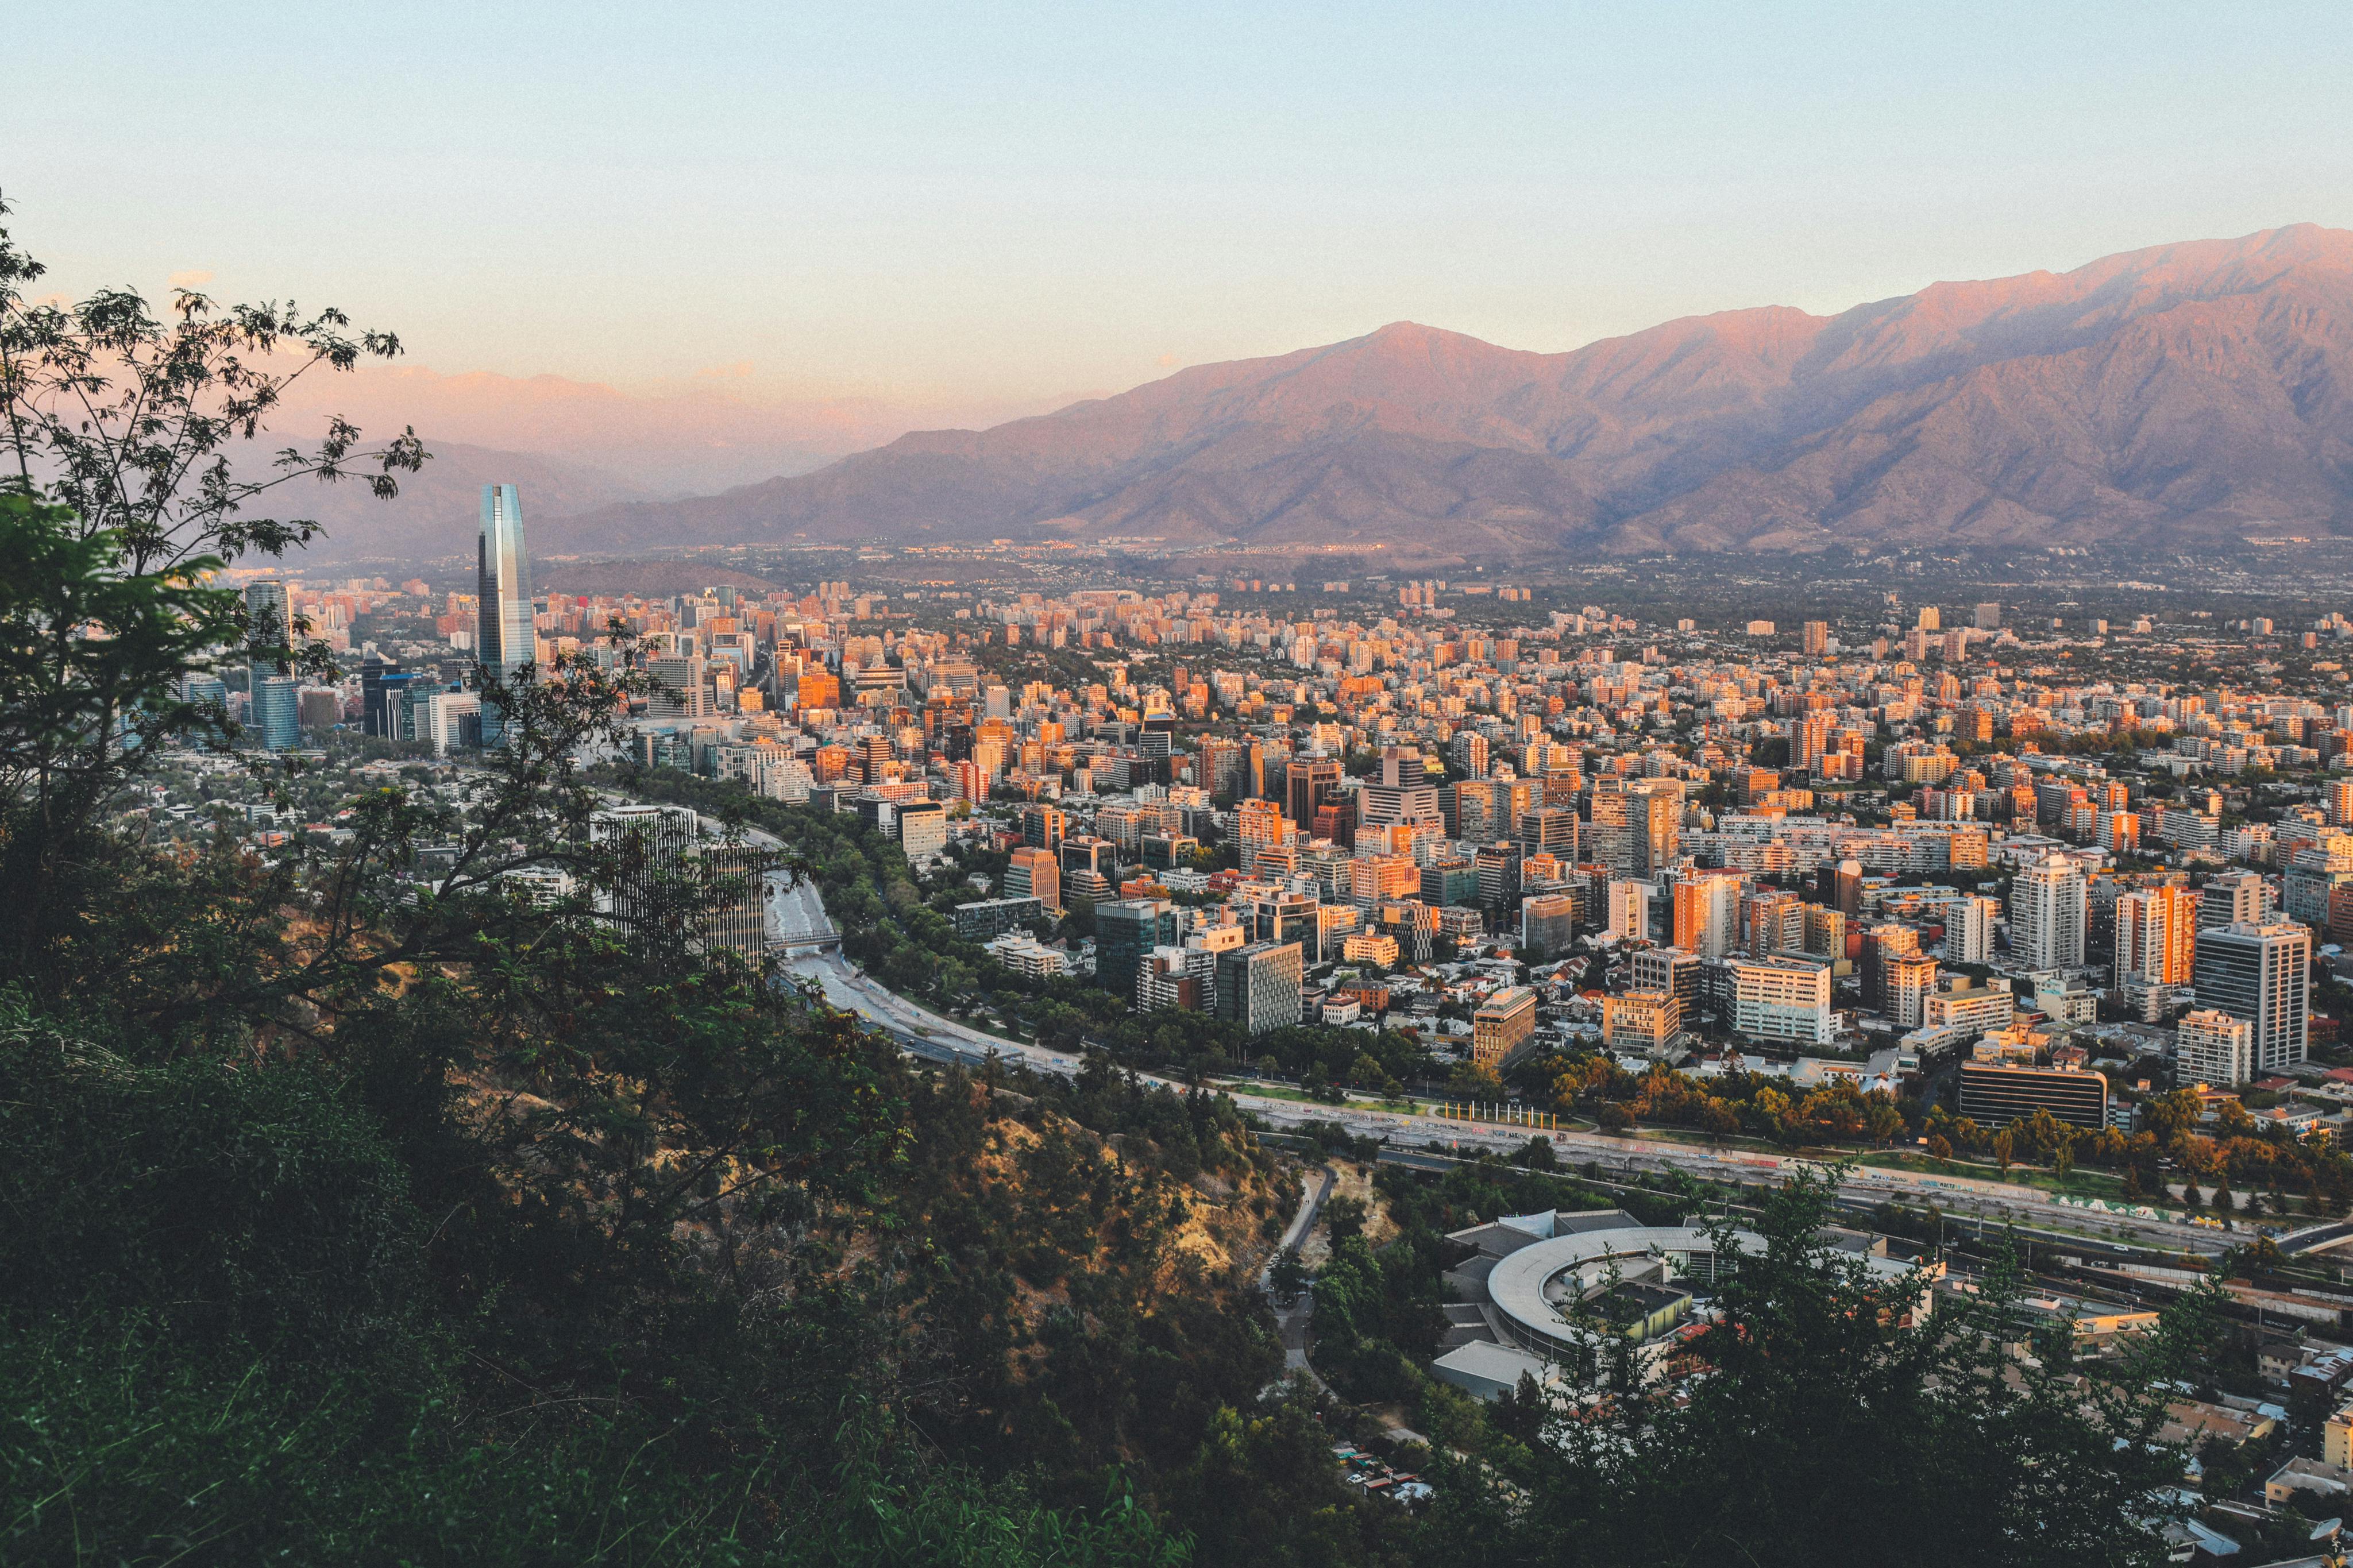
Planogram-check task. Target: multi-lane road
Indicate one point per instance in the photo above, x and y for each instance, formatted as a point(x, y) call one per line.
point(798, 915)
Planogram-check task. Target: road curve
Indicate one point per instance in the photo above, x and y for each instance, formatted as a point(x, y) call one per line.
point(796, 910)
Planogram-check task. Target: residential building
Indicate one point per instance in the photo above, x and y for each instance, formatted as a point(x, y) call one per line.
point(2046, 914)
point(1034, 873)
point(1641, 1023)
point(1969, 931)
point(1781, 999)
point(2156, 936)
point(2212, 1047)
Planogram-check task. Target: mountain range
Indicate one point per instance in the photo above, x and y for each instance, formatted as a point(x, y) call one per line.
point(2191, 392)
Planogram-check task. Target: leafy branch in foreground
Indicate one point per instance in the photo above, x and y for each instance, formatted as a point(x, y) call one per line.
point(128, 417)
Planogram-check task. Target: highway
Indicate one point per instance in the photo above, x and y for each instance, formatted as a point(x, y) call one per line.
point(798, 913)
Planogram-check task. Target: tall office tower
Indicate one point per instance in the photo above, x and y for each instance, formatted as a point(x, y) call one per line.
point(874, 758)
point(276, 710)
point(1969, 931)
point(1401, 797)
point(1815, 637)
point(1988, 617)
point(2046, 914)
point(1931, 620)
point(2262, 974)
point(1312, 782)
point(2156, 936)
point(270, 625)
point(505, 638)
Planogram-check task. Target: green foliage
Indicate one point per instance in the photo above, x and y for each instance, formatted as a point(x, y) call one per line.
point(1977, 1455)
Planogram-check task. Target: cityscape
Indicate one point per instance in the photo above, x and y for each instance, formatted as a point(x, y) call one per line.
point(1079, 789)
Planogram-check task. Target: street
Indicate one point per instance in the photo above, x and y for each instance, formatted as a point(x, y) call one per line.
point(797, 912)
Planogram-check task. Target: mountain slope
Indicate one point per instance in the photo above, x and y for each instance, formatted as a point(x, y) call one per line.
point(2189, 389)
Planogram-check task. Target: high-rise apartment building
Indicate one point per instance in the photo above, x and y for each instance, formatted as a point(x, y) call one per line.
point(2156, 936)
point(2262, 974)
point(1781, 999)
point(2046, 914)
point(2213, 1047)
point(1969, 931)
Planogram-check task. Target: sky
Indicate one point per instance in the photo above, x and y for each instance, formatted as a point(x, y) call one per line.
point(976, 207)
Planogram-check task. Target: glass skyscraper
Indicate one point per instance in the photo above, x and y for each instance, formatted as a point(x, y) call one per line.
point(505, 638)
point(273, 713)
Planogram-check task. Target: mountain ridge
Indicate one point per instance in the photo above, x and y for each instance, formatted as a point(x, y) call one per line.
point(2170, 392)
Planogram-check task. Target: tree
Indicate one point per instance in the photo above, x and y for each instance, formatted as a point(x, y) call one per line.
point(128, 420)
point(1343, 1217)
point(1815, 1357)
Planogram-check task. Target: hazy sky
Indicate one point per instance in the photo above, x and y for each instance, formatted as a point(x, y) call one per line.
point(974, 201)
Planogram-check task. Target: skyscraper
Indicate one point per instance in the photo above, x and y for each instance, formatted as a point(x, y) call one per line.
point(2262, 974)
point(275, 715)
point(505, 638)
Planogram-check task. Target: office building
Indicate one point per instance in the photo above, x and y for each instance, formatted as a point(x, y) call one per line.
point(276, 712)
point(923, 829)
point(1503, 1028)
point(2213, 1047)
point(1673, 971)
point(506, 633)
point(1034, 873)
point(2262, 975)
point(1547, 925)
point(1125, 931)
point(1259, 985)
point(2046, 914)
point(984, 919)
point(1994, 1094)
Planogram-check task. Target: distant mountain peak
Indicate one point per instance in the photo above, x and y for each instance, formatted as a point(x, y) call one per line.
point(2170, 392)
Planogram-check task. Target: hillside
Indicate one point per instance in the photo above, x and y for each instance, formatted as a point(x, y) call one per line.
point(2187, 391)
